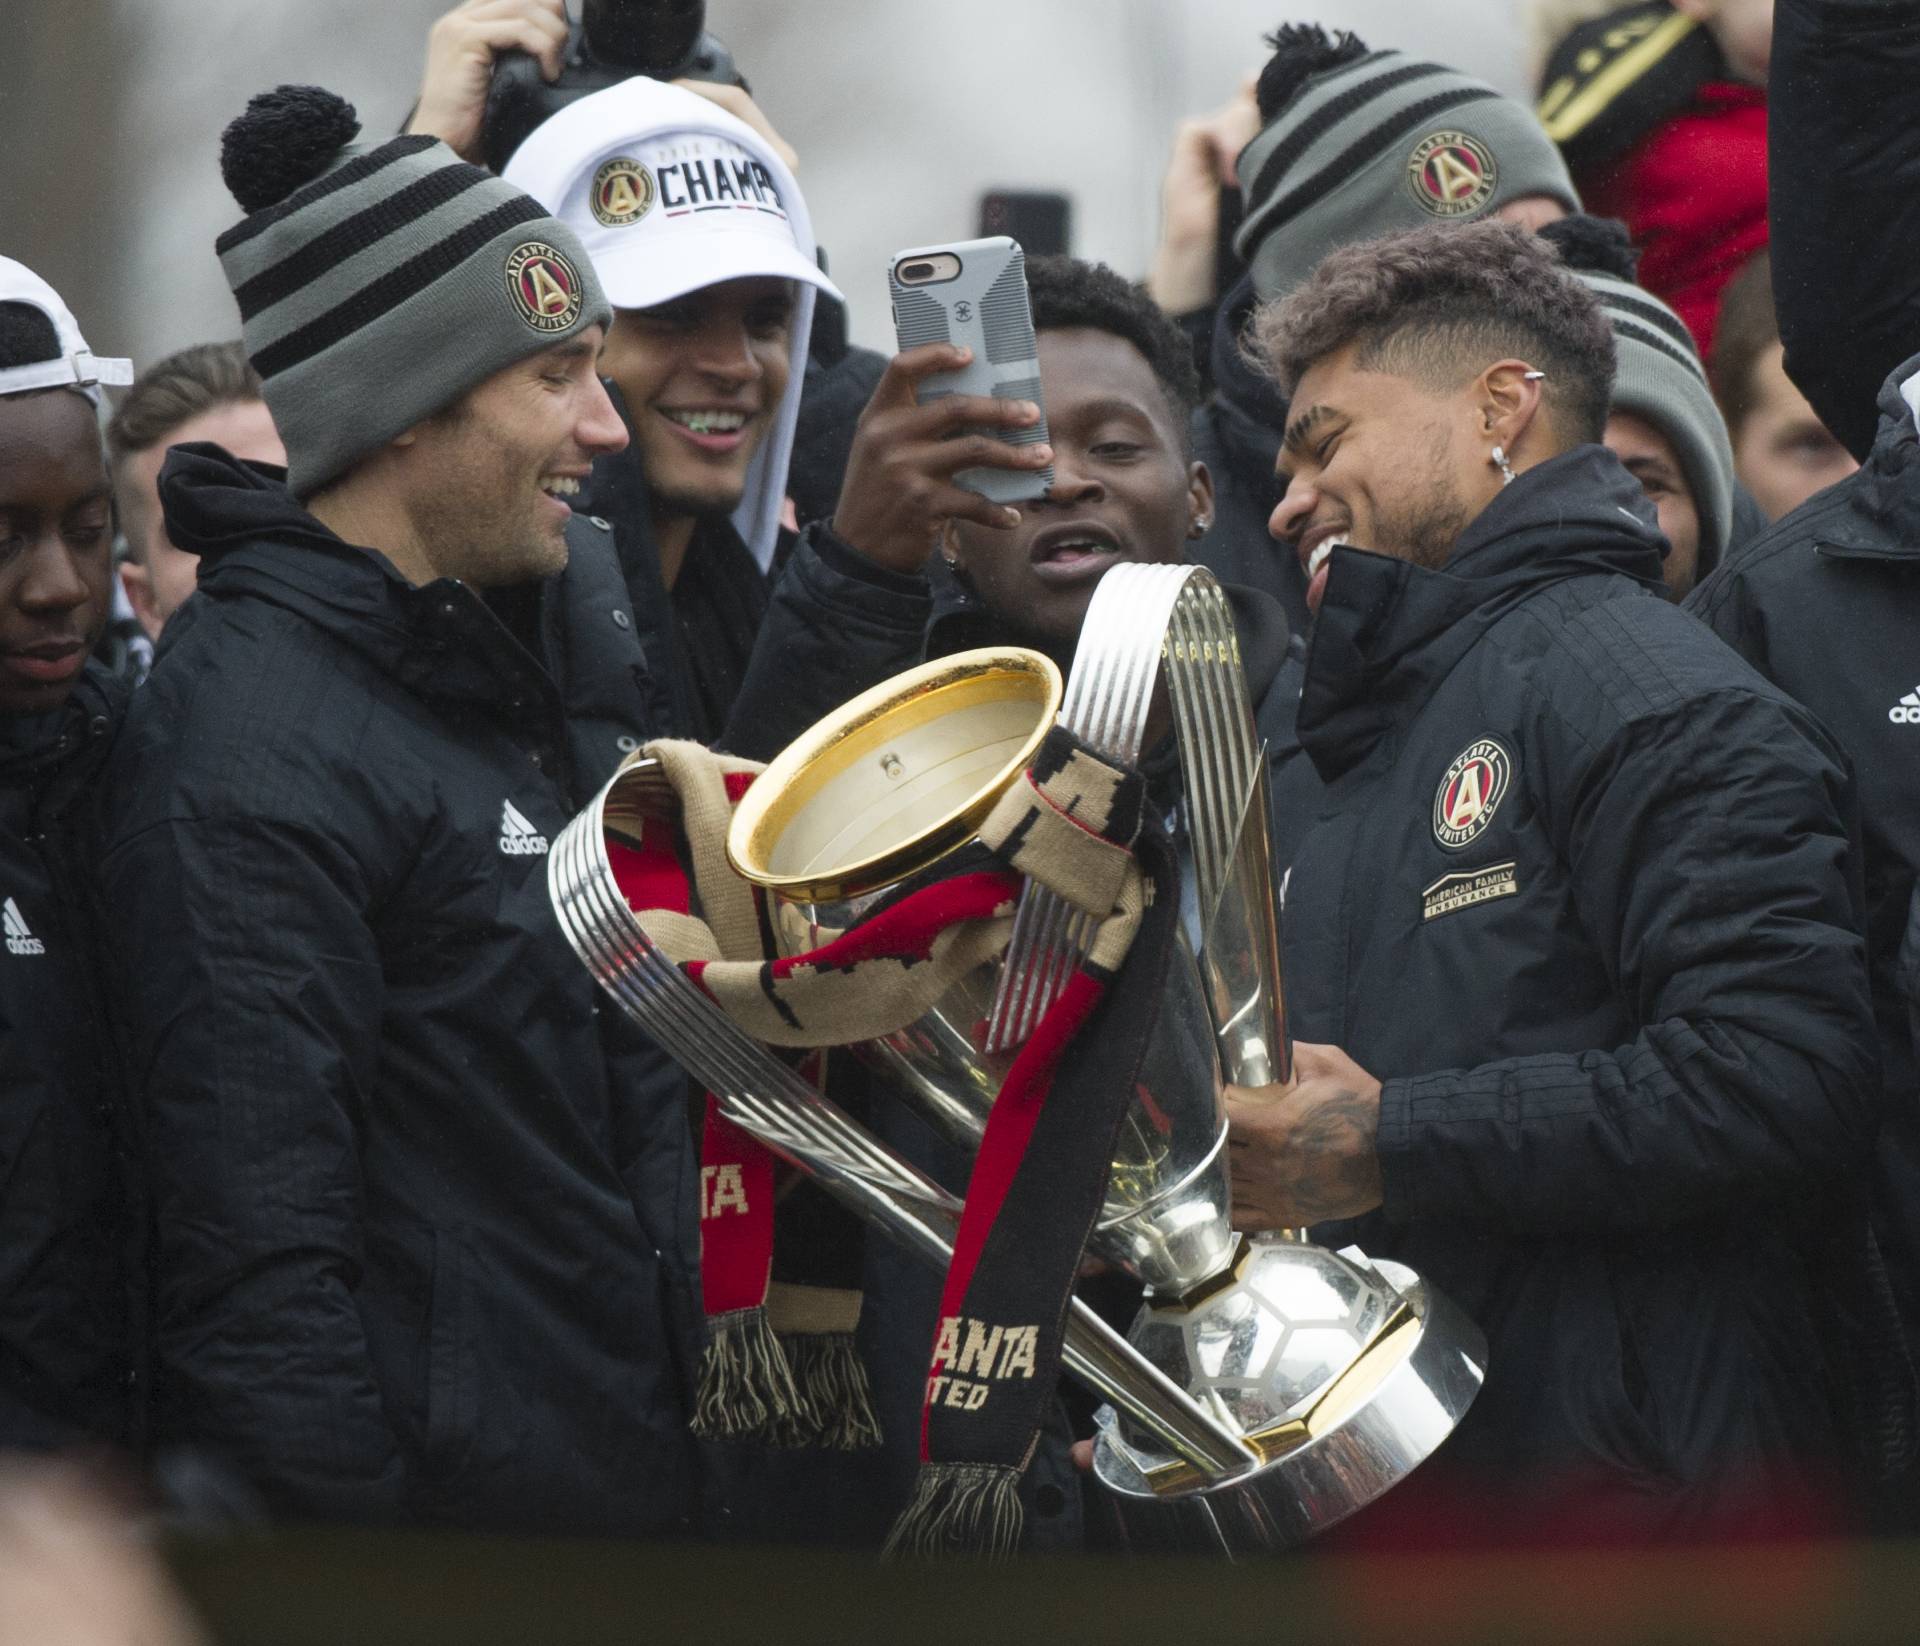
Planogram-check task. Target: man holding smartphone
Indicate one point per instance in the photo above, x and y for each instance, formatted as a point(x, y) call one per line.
point(913, 565)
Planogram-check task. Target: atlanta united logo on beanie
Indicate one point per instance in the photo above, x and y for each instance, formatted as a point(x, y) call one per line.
point(1377, 143)
point(377, 285)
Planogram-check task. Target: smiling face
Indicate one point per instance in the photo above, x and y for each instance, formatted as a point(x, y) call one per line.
point(1123, 489)
point(56, 546)
point(1379, 462)
point(487, 480)
point(703, 377)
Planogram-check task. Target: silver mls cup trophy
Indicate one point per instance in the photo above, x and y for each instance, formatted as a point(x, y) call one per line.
point(1269, 1387)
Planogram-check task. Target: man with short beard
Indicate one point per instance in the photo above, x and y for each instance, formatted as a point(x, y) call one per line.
point(423, 1234)
point(1354, 143)
point(1571, 947)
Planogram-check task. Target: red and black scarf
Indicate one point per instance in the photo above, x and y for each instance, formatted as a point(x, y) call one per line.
point(1072, 823)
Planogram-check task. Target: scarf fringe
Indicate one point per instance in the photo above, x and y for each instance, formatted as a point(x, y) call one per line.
point(836, 1399)
point(960, 1509)
point(746, 1389)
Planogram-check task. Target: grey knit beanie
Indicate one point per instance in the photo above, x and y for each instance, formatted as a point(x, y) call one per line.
point(1660, 378)
point(1380, 145)
point(377, 285)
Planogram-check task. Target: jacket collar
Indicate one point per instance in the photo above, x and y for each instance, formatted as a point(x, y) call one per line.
point(54, 747)
point(1389, 632)
point(439, 640)
point(1882, 517)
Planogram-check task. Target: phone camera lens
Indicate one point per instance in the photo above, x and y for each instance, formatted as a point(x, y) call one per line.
point(916, 271)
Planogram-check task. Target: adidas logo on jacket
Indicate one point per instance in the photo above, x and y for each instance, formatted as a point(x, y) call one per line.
point(518, 837)
point(19, 939)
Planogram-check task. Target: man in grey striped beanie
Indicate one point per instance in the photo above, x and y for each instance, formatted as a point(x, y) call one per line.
point(1359, 144)
point(385, 292)
point(421, 1225)
point(1663, 423)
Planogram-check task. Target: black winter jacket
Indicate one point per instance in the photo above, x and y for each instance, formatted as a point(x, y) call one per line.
point(1578, 895)
point(66, 1287)
point(422, 1206)
point(1843, 199)
point(1827, 606)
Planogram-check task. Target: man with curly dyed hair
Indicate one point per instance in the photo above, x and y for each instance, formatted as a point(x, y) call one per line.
point(1572, 948)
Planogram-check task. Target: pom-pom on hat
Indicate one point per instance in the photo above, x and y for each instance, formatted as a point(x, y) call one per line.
point(378, 285)
point(1369, 143)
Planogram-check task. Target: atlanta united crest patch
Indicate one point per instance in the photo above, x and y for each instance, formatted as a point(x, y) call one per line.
point(622, 192)
point(544, 286)
point(1451, 174)
point(1471, 793)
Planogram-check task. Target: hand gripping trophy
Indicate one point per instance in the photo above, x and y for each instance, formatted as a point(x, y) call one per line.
point(956, 874)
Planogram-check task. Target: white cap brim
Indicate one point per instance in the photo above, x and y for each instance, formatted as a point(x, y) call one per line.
point(641, 273)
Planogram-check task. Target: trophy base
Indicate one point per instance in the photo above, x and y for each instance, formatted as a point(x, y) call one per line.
point(1376, 1422)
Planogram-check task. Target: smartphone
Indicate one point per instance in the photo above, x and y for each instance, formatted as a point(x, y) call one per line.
point(974, 293)
point(1040, 219)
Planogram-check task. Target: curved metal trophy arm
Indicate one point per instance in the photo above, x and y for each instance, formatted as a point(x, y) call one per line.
point(1145, 622)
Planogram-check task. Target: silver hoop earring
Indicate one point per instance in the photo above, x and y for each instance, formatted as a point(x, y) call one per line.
point(1498, 458)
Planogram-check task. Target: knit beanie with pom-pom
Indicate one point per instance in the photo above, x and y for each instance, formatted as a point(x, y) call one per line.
point(1355, 144)
point(377, 285)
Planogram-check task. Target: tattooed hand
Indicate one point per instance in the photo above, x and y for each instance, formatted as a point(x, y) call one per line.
point(1304, 1153)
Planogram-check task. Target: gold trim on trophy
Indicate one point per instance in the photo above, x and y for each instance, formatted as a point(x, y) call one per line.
point(894, 780)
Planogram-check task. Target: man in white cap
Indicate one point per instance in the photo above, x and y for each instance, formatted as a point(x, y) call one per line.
point(686, 202)
point(65, 1356)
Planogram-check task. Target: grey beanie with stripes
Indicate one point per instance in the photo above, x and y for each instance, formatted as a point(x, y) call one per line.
point(1659, 378)
point(378, 284)
point(1378, 145)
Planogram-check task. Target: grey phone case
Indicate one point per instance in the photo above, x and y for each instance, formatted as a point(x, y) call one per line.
point(984, 307)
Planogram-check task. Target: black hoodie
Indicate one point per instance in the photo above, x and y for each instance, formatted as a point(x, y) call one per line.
point(423, 1209)
point(1578, 894)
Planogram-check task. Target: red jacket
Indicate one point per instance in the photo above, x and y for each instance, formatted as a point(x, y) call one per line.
point(1694, 194)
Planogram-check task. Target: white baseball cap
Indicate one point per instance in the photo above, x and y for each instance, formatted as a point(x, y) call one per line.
point(76, 367)
point(669, 193)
